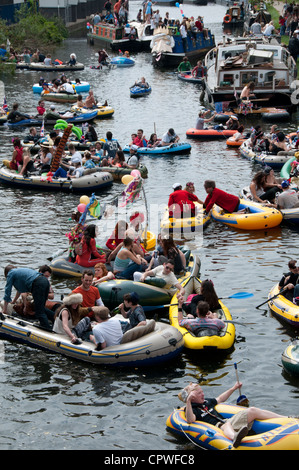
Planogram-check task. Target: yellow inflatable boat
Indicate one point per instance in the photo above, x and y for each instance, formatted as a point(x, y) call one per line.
point(270, 434)
point(187, 224)
point(257, 217)
point(222, 341)
point(283, 308)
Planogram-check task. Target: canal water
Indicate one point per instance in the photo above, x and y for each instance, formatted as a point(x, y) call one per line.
point(52, 402)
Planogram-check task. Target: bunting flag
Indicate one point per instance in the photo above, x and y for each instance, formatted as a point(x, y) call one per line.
point(5, 107)
point(42, 130)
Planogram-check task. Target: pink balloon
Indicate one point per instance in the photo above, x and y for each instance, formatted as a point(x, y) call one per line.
point(135, 173)
point(81, 207)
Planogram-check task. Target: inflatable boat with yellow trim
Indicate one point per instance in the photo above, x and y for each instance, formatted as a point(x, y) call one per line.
point(259, 217)
point(222, 341)
point(283, 308)
point(186, 225)
point(145, 345)
point(269, 434)
point(290, 358)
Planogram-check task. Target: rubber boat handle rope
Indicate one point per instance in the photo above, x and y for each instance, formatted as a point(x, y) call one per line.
point(274, 297)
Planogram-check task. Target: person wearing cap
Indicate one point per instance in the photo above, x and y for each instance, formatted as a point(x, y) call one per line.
point(294, 45)
point(228, 202)
point(169, 137)
point(133, 160)
point(289, 198)
point(131, 310)
point(199, 408)
point(107, 331)
point(181, 202)
point(68, 321)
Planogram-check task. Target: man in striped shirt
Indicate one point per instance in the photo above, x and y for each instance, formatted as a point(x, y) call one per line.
point(205, 319)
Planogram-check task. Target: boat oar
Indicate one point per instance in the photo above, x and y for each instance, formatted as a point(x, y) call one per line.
point(274, 297)
point(242, 400)
point(237, 295)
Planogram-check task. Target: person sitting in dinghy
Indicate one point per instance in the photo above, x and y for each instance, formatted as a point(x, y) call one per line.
point(206, 323)
point(142, 83)
point(198, 408)
point(170, 137)
point(131, 309)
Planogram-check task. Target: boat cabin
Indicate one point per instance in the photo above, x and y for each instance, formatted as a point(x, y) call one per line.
point(233, 65)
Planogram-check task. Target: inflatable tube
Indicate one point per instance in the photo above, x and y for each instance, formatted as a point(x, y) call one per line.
point(234, 143)
point(279, 115)
point(283, 308)
point(290, 358)
point(222, 341)
point(227, 19)
point(270, 434)
point(286, 169)
point(260, 217)
point(209, 133)
point(122, 61)
point(137, 91)
point(146, 345)
point(77, 131)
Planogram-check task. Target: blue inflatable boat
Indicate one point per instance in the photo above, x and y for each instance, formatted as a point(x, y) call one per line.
point(122, 61)
point(82, 87)
point(137, 91)
point(172, 149)
point(83, 117)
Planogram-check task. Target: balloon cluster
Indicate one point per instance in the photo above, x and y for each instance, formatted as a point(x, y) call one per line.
point(126, 179)
point(180, 7)
point(84, 200)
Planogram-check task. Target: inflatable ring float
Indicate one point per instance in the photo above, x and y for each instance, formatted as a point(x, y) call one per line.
point(227, 19)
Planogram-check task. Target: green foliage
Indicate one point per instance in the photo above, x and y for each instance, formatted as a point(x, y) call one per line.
point(32, 29)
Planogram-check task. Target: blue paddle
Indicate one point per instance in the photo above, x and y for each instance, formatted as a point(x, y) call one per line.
point(237, 295)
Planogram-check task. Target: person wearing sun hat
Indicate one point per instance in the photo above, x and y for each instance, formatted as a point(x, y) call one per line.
point(67, 319)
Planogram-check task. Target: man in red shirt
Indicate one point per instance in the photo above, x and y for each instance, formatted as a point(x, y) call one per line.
point(140, 140)
point(226, 201)
point(91, 295)
point(181, 202)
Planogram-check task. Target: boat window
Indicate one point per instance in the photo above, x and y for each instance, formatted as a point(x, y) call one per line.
point(232, 53)
point(228, 79)
point(247, 77)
